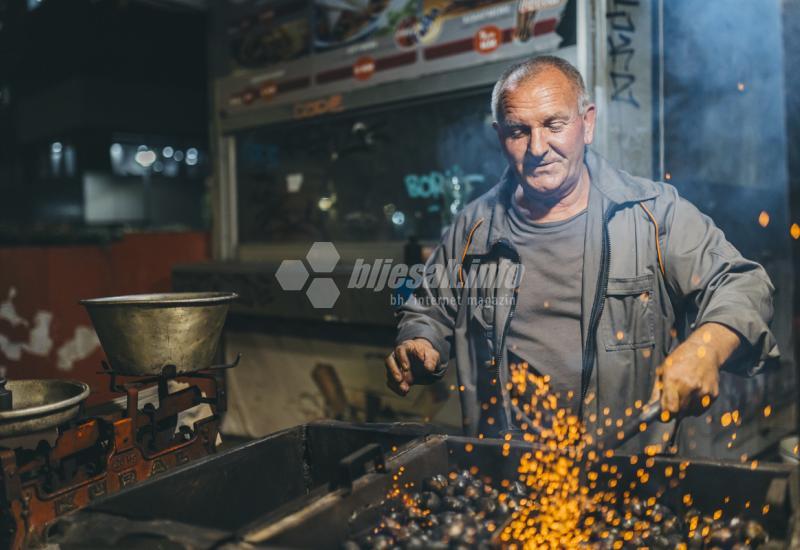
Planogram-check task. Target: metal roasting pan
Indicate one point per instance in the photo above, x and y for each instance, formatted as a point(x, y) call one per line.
point(319, 484)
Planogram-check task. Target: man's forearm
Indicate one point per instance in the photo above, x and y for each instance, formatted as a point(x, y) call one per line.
point(689, 379)
point(716, 340)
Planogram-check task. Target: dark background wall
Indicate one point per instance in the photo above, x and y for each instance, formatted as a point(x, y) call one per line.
point(78, 72)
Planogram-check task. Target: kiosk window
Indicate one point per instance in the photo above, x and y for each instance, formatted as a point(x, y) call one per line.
point(374, 175)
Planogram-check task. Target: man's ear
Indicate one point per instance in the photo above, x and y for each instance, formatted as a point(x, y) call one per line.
point(589, 117)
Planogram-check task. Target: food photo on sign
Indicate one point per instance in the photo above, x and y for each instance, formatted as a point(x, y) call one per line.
point(343, 22)
point(459, 34)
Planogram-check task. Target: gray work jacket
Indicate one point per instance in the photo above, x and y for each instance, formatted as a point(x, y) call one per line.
point(654, 268)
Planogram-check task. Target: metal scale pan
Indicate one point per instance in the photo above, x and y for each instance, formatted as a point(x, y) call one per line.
point(40, 405)
point(142, 334)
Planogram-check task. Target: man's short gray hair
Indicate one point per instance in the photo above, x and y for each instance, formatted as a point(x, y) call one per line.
point(521, 72)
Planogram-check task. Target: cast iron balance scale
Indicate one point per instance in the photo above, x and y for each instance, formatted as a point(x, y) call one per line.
point(56, 457)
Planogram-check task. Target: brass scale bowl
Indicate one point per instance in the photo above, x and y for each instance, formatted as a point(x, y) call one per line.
point(140, 334)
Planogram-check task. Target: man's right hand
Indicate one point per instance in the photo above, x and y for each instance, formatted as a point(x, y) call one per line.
point(398, 364)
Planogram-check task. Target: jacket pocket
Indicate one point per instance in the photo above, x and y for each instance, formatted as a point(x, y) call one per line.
point(628, 320)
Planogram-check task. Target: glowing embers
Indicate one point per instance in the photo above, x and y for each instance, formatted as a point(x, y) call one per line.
point(551, 515)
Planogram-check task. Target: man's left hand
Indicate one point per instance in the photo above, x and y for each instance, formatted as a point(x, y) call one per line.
point(689, 378)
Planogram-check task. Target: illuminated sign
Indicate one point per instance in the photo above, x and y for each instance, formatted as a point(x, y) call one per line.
point(434, 184)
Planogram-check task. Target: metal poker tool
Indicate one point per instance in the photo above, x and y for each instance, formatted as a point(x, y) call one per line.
point(613, 440)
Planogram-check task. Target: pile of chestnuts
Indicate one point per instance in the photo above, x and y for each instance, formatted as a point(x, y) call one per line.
point(461, 511)
point(454, 511)
point(635, 525)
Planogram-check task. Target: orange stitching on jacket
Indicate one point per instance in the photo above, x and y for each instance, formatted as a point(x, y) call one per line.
point(658, 244)
point(466, 247)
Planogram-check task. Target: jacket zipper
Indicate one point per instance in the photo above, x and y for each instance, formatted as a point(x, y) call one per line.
point(597, 310)
point(498, 345)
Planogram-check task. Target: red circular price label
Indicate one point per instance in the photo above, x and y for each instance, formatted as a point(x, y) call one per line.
point(268, 90)
point(364, 68)
point(248, 96)
point(488, 39)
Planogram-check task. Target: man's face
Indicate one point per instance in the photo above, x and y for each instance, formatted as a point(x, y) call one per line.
point(543, 134)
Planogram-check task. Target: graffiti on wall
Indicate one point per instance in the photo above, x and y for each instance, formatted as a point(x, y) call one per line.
point(621, 50)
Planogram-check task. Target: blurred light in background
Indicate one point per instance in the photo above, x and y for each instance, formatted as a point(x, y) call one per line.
point(191, 156)
point(146, 158)
point(116, 152)
point(136, 155)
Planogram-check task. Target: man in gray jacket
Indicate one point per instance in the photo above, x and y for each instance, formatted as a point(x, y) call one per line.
point(612, 285)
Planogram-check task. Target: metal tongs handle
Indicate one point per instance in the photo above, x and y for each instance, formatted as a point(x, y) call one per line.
point(650, 412)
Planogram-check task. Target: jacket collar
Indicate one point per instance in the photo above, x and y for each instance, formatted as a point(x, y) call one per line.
point(617, 186)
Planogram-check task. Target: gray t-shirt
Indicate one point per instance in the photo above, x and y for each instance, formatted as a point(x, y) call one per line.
point(545, 331)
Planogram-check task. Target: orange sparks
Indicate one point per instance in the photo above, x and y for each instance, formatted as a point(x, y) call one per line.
point(763, 219)
point(767, 410)
point(726, 419)
point(794, 231)
point(554, 510)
